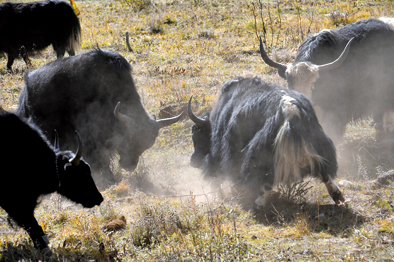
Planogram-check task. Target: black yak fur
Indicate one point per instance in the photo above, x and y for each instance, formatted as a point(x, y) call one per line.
point(31, 168)
point(29, 27)
point(80, 93)
point(262, 135)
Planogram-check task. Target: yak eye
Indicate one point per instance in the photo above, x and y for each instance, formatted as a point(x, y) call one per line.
point(195, 128)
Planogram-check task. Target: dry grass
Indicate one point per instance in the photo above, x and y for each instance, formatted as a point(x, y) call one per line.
point(184, 48)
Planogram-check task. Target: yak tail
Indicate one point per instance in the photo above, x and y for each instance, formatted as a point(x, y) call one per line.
point(293, 153)
point(75, 37)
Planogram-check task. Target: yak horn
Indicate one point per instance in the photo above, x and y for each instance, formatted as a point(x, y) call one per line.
point(268, 61)
point(198, 121)
point(168, 121)
point(75, 161)
point(121, 117)
point(339, 60)
point(56, 144)
point(160, 123)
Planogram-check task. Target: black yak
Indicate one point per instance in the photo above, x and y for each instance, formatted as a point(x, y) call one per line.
point(360, 86)
point(32, 167)
point(263, 135)
point(29, 27)
point(83, 93)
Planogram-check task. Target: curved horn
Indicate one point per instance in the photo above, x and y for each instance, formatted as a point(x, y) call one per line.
point(75, 161)
point(268, 61)
point(198, 121)
point(168, 121)
point(56, 144)
point(339, 60)
point(121, 117)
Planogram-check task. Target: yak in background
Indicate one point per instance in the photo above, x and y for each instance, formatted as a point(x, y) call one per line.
point(262, 135)
point(358, 86)
point(29, 27)
point(93, 93)
point(32, 167)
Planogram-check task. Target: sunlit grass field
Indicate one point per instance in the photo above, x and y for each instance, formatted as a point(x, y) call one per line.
point(191, 47)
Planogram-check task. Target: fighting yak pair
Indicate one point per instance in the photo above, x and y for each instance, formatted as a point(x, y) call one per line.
point(257, 132)
point(264, 135)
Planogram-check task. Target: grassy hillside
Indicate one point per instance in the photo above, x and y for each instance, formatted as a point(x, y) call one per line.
point(184, 48)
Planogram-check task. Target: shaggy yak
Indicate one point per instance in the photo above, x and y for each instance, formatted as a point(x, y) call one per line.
point(29, 27)
point(262, 135)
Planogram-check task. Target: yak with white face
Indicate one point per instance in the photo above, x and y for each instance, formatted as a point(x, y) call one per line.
point(359, 83)
point(262, 135)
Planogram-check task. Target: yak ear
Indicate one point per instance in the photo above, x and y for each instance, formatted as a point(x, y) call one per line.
point(282, 74)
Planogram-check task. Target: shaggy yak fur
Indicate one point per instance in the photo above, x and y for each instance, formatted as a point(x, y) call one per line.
point(262, 135)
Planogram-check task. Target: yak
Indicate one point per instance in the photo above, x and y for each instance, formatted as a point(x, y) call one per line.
point(94, 93)
point(262, 135)
point(358, 86)
point(34, 168)
point(26, 28)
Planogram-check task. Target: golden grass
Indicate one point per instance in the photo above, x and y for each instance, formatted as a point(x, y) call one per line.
point(184, 48)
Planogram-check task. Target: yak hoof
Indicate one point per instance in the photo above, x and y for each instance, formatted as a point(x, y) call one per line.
point(41, 244)
point(46, 239)
point(45, 254)
point(338, 197)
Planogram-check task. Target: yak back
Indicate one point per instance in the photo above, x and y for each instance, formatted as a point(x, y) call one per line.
point(79, 87)
point(245, 123)
point(322, 47)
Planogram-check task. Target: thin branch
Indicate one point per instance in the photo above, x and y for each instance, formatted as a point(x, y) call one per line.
point(128, 43)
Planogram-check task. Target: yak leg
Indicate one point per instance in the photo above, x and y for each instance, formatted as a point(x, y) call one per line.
point(334, 191)
point(261, 200)
point(334, 125)
point(25, 57)
point(109, 175)
point(102, 173)
point(59, 49)
point(378, 120)
point(11, 58)
point(216, 184)
point(29, 223)
point(71, 52)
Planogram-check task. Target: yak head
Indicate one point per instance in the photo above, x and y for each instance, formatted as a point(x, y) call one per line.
point(75, 179)
point(141, 134)
point(301, 76)
point(201, 136)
